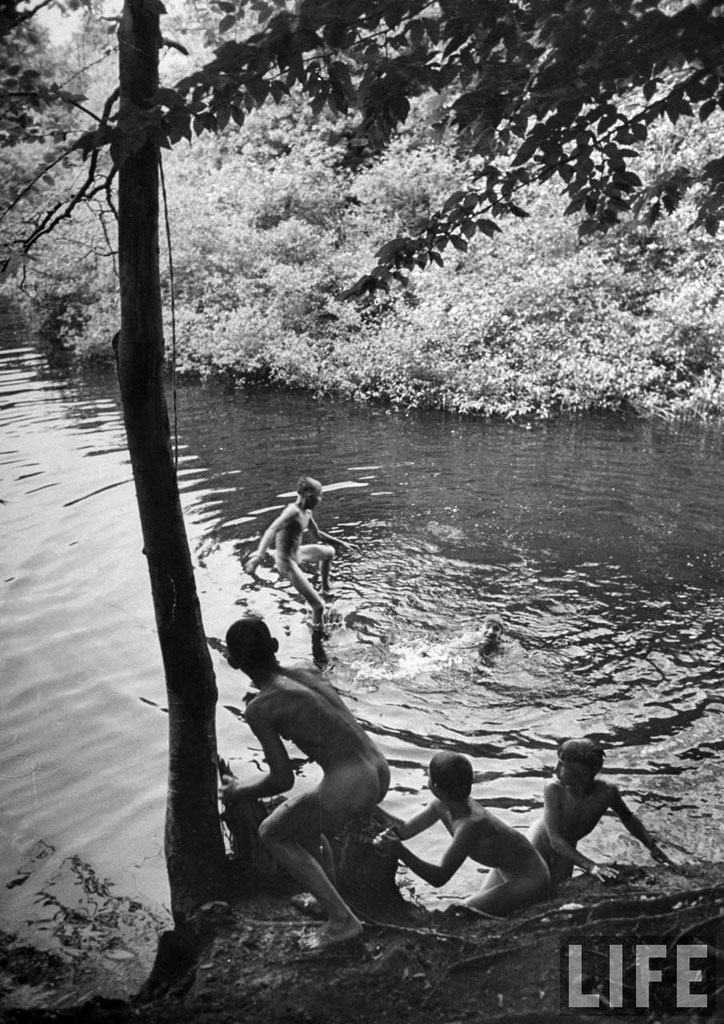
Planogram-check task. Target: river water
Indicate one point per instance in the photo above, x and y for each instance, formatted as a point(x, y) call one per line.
point(599, 541)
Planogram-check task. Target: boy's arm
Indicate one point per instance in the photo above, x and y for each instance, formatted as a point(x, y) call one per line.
point(414, 825)
point(636, 827)
point(267, 538)
point(318, 535)
point(434, 874)
point(554, 826)
point(280, 777)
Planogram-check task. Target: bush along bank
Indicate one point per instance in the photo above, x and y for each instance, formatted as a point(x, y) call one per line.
point(271, 225)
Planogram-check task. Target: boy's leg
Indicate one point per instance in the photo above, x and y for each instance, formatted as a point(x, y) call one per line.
point(509, 896)
point(293, 828)
point(323, 555)
point(289, 569)
point(492, 879)
point(322, 852)
point(288, 835)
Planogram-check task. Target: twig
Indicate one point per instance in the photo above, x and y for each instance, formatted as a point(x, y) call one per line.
point(422, 933)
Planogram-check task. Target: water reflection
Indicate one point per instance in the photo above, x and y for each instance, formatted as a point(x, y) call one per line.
point(599, 542)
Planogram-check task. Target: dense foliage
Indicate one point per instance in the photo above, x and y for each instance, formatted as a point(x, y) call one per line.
point(271, 222)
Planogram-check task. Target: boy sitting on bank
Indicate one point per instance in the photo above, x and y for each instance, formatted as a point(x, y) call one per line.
point(575, 801)
point(286, 534)
point(519, 876)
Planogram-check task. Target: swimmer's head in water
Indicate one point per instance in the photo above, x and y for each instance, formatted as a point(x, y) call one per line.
point(250, 644)
point(452, 773)
point(310, 491)
point(493, 629)
point(582, 752)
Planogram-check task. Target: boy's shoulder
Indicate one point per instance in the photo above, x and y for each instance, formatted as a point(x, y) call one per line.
point(553, 785)
point(602, 790)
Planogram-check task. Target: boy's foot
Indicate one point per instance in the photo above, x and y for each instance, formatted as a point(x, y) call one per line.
point(331, 935)
point(308, 905)
point(326, 592)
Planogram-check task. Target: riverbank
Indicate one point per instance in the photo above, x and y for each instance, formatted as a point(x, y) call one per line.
point(414, 964)
point(419, 359)
point(534, 324)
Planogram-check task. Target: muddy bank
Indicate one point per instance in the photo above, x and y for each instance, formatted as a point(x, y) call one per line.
point(242, 960)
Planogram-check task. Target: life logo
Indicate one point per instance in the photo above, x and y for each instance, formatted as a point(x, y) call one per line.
point(631, 975)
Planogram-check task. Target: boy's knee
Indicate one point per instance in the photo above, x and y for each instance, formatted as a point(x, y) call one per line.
point(269, 832)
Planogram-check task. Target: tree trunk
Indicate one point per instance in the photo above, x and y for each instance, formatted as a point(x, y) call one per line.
point(194, 846)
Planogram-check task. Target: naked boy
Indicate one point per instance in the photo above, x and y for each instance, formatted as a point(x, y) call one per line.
point(519, 876)
point(300, 706)
point(286, 534)
point(575, 801)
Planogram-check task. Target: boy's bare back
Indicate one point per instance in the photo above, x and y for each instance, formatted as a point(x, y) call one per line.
point(306, 710)
point(488, 840)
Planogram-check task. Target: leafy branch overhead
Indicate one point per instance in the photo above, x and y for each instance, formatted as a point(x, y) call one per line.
point(543, 89)
point(536, 89)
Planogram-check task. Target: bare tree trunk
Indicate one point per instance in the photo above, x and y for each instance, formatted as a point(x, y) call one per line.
point(194, 846)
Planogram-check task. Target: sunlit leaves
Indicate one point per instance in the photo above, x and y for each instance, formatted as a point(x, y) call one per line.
point(561, 90)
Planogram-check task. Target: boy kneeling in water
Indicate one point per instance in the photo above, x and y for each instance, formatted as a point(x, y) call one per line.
point(519, 876)
point(575, 801)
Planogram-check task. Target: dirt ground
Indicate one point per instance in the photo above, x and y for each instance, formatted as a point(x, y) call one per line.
point(242, 962)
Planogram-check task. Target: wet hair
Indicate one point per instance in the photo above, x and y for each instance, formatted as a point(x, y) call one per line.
point(582, 751)
point(308, 485)
point(496, 619)
point(250, 643)
point(453, 773)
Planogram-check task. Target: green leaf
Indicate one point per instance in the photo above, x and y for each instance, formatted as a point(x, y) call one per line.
point(711, 225)
point(525, 151)
point(706, 109)
point(488, 227)
point(454, 200)
point(588, 227)
point(390, 248)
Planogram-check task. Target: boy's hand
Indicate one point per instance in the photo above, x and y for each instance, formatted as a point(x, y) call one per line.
point(387, 842)
point(251, 563)
point(603, 872)
point(228, 789)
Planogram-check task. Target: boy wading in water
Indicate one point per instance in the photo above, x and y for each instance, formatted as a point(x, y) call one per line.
point(575, 801)
point(300, 706)
point(286, 534)
point(519, 876)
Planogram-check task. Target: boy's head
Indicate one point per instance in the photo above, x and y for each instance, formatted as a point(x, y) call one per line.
point(493, 629)
point(451, 773)
point(310, 491)
point(250, 645)
point(579, 757)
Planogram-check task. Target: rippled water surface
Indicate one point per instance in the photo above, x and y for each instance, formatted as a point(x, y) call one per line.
point(600, 542)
